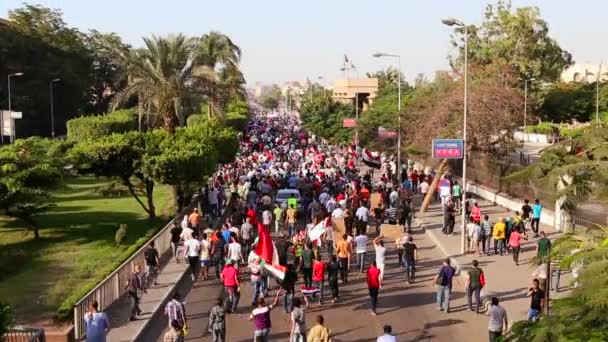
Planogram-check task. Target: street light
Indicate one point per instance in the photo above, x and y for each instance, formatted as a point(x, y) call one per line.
point(52, 107)
point(526, 100)
point(379, 55)
point(597, 91)
point(9, 106)
point(455, 22)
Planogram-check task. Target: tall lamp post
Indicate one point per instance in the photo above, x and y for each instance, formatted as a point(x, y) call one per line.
point(526, 100)
point(9, 105)
point(597, 91)
point(378, 55)
point(52, 106)
point(455, 22)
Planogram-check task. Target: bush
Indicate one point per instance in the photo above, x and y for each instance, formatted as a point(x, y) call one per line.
point(113, 189)
point(121, 234)
point(196, 119)
point(6, 319)
point(236, 121)
point(571, 133)
point(90, 127)
point(542, 128)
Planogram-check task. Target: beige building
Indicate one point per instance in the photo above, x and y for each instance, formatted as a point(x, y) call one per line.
point(361, 91)
point(585, 72)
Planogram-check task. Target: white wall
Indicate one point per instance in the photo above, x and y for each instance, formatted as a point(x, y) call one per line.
point(532, 137)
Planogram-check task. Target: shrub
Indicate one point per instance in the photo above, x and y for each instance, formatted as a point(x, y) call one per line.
point(196, 119)
point(6, 319)
point(237, 121)
point(113, 189)
point(571, 133)
point(121, 234)
point(542, 128)
point(90, 127)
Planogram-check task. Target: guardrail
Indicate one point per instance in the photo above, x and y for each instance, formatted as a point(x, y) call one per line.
point(112, 287)
point(24, 334)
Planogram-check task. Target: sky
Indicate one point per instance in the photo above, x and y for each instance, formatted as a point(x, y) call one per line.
point(295, 40)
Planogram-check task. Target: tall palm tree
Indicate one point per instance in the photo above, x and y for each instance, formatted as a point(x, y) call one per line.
point(386, 78)
point(161, 75)
point(218, 57)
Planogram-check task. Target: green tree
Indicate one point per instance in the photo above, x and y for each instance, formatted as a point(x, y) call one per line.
point(323, 116)
point(271, 98)
point(29, 169)
point(561, 102)
point(388, 78)
point(6, 319)
point(517, 39)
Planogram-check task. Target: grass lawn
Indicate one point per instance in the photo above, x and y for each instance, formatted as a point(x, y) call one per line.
point(76, 247)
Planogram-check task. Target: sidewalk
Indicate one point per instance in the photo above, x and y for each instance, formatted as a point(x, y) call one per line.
point(504, 279)
point(152, 301)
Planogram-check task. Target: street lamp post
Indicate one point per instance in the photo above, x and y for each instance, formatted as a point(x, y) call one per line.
point(526, 80)
point(52, 106)
point(9, 106)
point(597, 91)
point(455, 22)
point(378, 55)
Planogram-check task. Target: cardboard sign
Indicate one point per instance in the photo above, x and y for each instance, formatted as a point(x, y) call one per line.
point(375, 199)
point(339, 228)
point(391, 231)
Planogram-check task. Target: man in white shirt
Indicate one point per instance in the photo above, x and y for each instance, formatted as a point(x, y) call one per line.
point(380, 254)
point(338, 212)
point(193, 247)
point(388, 335)
point(205, 258)
point(187, 233)
point(424, 188)
point(361, 249)
point(498, 319)
point(212, 197)
point(362, 213)
point(234, 252)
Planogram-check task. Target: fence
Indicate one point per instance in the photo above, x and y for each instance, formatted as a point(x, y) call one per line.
point(25, 334)
point(112, 287)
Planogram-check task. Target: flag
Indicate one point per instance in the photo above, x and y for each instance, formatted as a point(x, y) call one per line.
point(267, 252)
point(346, 61)
point(315, 232)
point(371, 159)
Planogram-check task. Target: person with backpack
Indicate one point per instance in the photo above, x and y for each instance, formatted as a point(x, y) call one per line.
point(152, 264)
point(474, 282)
point(443, 282)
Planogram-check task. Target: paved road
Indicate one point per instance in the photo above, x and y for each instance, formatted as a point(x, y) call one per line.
point(410, 309)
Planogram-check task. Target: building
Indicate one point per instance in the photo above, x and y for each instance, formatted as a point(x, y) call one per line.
point(585, 72)
point(359, 91)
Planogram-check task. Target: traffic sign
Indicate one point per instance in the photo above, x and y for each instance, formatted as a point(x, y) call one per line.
point(349, 123)
point(448, 148)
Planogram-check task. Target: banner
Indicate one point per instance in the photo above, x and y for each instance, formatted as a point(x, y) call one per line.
point(349, 123)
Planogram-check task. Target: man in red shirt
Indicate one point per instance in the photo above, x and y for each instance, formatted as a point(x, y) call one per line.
point(373, 285)
point(230, 278)
point(318, 276)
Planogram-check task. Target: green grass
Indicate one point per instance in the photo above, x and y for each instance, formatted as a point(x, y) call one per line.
point(75, 251)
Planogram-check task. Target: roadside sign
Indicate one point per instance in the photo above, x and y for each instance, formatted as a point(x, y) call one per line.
point(349, 123)
point(448, 148)
point(383, 133)
point(16, 115)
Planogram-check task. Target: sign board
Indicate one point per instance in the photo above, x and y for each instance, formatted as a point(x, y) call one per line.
point(339, 228)
point(448, 148)
point(16, 115)
point(391, 231)
point(349, 123)
point(7, 123)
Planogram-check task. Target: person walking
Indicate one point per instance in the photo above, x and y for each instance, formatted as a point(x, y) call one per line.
point(498, 234)
point(456, 195)
point(135, 290)
point(410, 251)
point(96, 323)
point(230, 279)
point(152, 264)
point(176, 232)
point(406, 215)
point(443, 281)
point(218, 253)
point(343, 250)
point(235, 252)
point(247, 236)
point(497, 320)
point(333, 269)
point(176, 311)
point(537, 301)
point(175, 333)
point(257, 281)
point(486, 227)
point(380, 254)
point(474, 282)
point(543, 246)
point(515, 244)
point(374, 283)
point(318, 276)
point(261, 319)
point(298, 322)
point(536, 211)
point(361, 249)
point(388, 335)
point(319, 333)
point(217, 321)
point(193, 247)
point(307, 259)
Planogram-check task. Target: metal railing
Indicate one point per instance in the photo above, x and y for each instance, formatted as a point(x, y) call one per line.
point(112, 287)
point(24, 334)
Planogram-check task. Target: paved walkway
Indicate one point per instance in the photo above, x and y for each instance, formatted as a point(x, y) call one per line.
point(504, 279)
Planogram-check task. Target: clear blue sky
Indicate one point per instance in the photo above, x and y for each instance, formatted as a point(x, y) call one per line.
point(292, 40)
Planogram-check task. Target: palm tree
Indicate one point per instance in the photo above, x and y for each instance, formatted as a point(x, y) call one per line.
point(161, 76)
point(386, 78)
point(218, 57)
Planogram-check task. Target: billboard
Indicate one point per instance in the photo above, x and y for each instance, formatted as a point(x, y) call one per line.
point(448, 148)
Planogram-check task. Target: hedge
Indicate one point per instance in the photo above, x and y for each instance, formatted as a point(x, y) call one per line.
point(542, 128)
point(237, 121)
point(90, 127)
point(196, 119)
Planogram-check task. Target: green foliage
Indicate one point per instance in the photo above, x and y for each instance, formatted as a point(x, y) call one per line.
point(516, 38)
point(271, 98)
point(571, 133)
point(28, 170)
point(113, 189)
point(566, 101)
point(196, 119)
point(6, 319)
point(91, 127)
point(547, 128)
point(121, 234)
point(324, 117)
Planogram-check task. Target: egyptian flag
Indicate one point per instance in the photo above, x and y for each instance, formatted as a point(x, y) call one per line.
point(371, 159)
point(266, 251)
point(352, 151)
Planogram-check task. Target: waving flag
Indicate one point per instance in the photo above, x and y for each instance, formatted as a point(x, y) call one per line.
point(371, 159)
point(267, 252)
